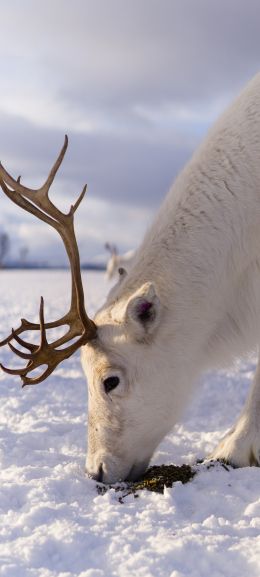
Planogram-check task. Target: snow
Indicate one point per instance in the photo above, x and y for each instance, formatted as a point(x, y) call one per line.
point(52, 521)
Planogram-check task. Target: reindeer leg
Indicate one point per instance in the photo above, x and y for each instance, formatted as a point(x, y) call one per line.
point(241, 445)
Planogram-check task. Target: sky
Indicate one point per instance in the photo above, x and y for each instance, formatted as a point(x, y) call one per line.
point(135, 84)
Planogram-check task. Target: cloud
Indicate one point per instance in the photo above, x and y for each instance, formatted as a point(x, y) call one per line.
point(108, 55)
point(135, 84)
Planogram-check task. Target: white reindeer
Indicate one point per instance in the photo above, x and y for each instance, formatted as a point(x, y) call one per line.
point(118, 263)
point(190, 302)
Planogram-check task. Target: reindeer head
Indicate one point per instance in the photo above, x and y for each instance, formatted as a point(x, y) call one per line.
point(129, 409)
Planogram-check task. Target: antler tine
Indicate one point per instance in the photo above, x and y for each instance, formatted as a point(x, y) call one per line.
point(21, 342)
point(19, 372)
point(80, 325)
point(44, 189)
point(50, 178)
point(19, 353)
point(42, 327)
point(74, 206)
point(35, 201)
point(36, 380)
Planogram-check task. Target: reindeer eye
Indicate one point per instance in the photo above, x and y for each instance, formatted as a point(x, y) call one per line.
point(111, 383)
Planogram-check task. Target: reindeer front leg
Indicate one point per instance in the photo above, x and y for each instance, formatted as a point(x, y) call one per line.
point(241, 445)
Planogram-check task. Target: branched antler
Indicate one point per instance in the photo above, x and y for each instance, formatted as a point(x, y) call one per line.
point(80, 325)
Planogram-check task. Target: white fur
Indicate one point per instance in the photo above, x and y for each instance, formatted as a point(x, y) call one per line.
point(198, 269)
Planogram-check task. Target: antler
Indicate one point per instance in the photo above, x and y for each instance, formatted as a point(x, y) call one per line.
point(111, 248)
point(80, 325)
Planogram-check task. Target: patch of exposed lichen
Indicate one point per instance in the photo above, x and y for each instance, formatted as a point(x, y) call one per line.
point(160, 476)
point(155, 479)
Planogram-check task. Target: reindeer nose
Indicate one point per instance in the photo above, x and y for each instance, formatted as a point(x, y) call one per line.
point(97, 476)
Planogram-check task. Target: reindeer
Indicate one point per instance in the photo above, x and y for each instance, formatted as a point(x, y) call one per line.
point(118, 263)
point(190, 302)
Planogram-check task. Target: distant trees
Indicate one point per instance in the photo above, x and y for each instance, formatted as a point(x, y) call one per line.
point(21, 260)
point(23, 255)
point(4, 247)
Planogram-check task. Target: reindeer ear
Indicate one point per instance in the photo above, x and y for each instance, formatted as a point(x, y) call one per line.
point(143, 312)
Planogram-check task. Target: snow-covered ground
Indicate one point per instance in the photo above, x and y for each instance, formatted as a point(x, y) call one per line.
point(53, 523)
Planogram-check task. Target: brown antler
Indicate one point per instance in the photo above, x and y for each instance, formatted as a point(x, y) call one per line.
point(38, 203)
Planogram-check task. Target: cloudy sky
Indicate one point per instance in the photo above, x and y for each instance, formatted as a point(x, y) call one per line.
point(134, 83)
